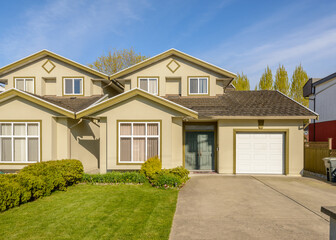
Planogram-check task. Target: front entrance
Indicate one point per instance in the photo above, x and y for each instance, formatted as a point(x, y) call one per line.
point(200, 150)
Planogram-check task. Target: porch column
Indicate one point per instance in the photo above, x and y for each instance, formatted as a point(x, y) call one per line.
point(102, 146)
point(62, 140)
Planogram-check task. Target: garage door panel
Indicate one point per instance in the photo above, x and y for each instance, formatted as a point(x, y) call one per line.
point(260, 153)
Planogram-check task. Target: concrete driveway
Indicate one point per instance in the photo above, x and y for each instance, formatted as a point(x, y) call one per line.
point(252, 207)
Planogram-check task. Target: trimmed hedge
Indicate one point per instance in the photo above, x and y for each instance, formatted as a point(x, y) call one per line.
point(115, 177)
point(38, 180)
point(151, 167)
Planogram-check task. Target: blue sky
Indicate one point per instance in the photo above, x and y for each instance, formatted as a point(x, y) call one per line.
point(240, 36)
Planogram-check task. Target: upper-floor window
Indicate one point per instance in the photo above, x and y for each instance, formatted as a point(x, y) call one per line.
point(149, 84)
point(25, 84)
point(73, 86)
point(198, 85)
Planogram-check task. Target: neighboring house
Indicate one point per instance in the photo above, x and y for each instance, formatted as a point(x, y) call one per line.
point(322, 97)
point(2, 89)
point(174, 106)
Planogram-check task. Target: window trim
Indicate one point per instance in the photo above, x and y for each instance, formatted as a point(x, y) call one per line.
point(73, 83)
point(39, 137)
point(24, 78)
point(198, 81)
point(119, 122)
point(150, 77)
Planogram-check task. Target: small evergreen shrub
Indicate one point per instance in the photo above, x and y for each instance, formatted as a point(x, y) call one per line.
point(151, 167)
point(165, 180)
point(38, 180)
point(115, 177)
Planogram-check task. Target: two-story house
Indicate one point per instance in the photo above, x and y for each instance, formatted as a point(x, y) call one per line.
point(174, 106)
point(321, 94)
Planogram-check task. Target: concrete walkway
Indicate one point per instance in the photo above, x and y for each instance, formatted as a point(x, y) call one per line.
point(252, 207)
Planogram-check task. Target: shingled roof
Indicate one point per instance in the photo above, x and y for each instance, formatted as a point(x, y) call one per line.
point(244, 104)
point(74, 104)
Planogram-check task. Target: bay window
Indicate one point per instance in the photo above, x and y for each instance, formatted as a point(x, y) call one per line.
point(138, 141)
point(19, 142)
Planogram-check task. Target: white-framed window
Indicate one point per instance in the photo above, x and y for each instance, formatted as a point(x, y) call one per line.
point(149, 84)
point(198, 85)
point(19, 142)
point(25, 84)
point(73, 86)
point(138, 141)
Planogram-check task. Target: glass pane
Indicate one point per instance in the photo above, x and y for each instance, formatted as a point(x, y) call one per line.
point(152, 129)
point(19, 84)
point(32, 149)
point(125, 149)
point(143, 84)
point(152, 147)
point(203, 85)
point(193, 85)
point(68, 86)
point(6, 129)
point(139, 129)
point(6, 149)
point(139, 150)
point(30, 85)
point(125, 129)
point(152, 86)
point(33, 129)
point(78, 86)
point(19, 149)
point(19, 129)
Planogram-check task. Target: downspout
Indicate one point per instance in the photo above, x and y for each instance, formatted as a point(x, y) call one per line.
point(69, 135)
point(314, 111)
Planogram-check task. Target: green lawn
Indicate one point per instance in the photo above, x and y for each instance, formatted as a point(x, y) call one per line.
point(94, 212)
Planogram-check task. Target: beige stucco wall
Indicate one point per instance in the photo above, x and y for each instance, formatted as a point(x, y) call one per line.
point(54, 86)
point(139, 108)
point(226, 144)
point(186, 69)
point(17, 109)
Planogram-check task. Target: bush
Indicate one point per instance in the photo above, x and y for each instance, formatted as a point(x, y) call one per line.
point(165, 180)
point(182, 172)
point(115, 177)
point(38, 180)
point(151, 167)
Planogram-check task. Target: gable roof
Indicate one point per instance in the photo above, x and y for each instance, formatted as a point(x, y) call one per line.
point(260, 104)
point(325, 79)
point(136, 92)
point(37, 100)
point(168, 54)
point(44, 53)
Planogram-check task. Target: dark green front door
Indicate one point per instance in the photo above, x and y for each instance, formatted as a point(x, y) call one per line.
point(200, 151)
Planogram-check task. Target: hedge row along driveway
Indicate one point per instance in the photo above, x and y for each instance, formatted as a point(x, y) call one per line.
point(94, 212)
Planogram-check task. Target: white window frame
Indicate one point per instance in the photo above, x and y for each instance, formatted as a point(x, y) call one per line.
point(73, 85)
point(147, 78)
point(146, 136)
point(198, 83)
point(24, 82)
point(26, 137)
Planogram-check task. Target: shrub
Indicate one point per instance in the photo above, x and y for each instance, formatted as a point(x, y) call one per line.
point(151, 167)
point(165, 180)
point(38, 180)
point(115, 177)
point(182, 172)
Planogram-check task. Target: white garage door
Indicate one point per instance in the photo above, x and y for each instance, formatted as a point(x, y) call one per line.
point(260, 153)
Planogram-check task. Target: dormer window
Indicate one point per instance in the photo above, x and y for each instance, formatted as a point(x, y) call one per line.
point(149, 84)
point(73, 86)
point(198, 85)
point(25, 84)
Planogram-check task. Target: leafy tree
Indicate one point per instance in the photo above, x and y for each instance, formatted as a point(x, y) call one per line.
point(281, 81)
point(299, 79)
point(117, 60)
point(266, 80)
point(241, 82)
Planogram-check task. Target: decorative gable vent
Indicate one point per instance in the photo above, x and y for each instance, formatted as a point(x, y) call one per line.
point(48, 66)
point(173, 66)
